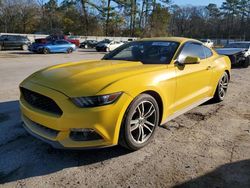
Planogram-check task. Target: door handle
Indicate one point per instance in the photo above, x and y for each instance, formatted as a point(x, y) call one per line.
point(209, 67)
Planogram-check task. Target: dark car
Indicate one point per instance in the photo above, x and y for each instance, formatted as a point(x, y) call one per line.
point(101, 46)
point(88, 44)
point(238, 52)
point(14, 42)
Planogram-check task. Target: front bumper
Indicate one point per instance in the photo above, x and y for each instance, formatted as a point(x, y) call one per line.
point(55, 129)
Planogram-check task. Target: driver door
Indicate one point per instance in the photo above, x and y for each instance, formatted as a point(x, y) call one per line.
point(192, 80)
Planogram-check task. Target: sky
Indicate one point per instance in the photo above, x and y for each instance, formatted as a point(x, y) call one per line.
point(197, 2)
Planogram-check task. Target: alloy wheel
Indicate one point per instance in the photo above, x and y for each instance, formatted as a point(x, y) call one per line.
point(223, 85)
point(143, 122)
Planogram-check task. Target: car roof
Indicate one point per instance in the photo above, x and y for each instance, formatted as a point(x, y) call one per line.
point(174, 39)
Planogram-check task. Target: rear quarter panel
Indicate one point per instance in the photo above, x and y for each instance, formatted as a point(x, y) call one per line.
point(220, 64)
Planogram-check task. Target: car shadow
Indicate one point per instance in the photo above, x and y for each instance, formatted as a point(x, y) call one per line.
point(22, 53)
point(89, 50)
point(22, 156)
point(237, 67)
point(230, 175)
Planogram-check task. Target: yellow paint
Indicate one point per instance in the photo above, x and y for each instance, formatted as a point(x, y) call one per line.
point(177, 87)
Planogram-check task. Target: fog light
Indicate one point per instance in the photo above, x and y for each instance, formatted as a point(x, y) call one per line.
point(84, 135)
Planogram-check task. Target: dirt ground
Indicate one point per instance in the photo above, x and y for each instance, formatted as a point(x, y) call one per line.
point(206, 147)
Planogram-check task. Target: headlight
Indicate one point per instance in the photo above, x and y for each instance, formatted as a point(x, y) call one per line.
point(94, 101)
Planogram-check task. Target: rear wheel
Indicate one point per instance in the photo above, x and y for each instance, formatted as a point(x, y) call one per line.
point(1, 47)
point(139, 123)
point(25, 47)
point(70, 50)
point(45, 51)
point(246, 63)
point(85, 46)
point(221, 89)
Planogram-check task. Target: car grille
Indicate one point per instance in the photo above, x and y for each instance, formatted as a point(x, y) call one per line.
point(40, 102)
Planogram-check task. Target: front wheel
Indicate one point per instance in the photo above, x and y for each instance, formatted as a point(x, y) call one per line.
point(139, 123)
point(70, 50)
point(221, 89)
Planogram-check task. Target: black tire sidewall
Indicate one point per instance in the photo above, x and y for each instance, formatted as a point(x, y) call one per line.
point(125, 130)
point(217, 94)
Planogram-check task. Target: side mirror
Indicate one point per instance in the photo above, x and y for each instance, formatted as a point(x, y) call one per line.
point(191, 60)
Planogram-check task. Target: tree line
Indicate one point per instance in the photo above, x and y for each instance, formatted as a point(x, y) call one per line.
point(135, 18)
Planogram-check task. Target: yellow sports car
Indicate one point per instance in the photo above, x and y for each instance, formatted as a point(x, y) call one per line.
point(122, 98)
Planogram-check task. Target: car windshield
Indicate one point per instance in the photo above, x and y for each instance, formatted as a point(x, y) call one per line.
point(147, 52)
point(237, 45)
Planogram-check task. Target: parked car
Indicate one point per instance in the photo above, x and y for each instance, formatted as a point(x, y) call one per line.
point(238, 52)
point(88, 44)
point(122, 98)
point(53, 47)
point(58, 37)
point(14, 42)
point(108, 46)
point(207, 42)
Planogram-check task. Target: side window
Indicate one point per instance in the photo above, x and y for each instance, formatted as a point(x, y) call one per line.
point(3, 37)
point(11, 38)
point(191, 49)
point(61, 42)
point(207, 51)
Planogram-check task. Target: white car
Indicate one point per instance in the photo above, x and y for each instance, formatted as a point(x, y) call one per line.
point(108, 46)
point(207, 42)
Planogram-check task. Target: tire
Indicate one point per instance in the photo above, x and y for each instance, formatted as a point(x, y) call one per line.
point(45, 51)
point(70, 50)
point(85, 46)
point(221, 89)
point(1, 47)
point(25, 47)
point(138, 126)
point(107, 49)
point(246, 63)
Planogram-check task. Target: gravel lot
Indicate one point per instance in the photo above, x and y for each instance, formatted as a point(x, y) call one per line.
point(206, 147)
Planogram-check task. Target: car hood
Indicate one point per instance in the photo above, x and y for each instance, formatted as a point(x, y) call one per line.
point(88, 77)
point(229, 51)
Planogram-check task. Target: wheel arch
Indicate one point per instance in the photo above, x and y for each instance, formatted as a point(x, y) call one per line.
point(158, 99)
point(228, 73)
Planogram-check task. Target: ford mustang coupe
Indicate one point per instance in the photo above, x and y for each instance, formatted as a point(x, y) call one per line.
point(122, 98)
